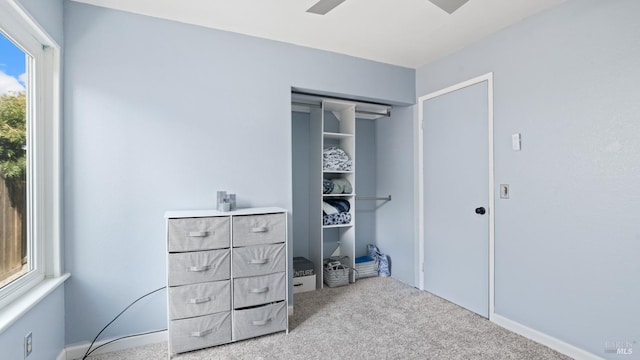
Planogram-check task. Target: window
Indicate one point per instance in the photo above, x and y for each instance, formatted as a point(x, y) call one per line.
point(16, 257)
point(29, 154)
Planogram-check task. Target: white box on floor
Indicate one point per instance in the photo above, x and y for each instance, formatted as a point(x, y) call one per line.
point(304, 283)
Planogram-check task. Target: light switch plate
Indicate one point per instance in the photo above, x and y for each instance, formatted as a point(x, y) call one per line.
point(515, 142)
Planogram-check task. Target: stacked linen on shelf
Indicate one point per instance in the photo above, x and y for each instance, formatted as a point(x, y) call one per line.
point(337, 219)
point(334, 158)
point(336, 186)
point(336, 212)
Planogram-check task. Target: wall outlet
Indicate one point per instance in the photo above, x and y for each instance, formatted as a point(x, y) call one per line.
point(28, 344)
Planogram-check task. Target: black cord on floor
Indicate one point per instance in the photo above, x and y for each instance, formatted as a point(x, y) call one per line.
point(89, 351)
point(124, 337)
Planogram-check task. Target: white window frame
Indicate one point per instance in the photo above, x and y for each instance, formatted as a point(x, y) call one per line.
point(43, 172)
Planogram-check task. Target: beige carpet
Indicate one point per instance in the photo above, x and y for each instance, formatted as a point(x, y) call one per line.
point(375, 318)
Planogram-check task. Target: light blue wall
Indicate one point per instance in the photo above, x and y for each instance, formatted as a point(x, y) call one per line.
point(48, 14)
point(46, 319)
point(394, 176)
point(160, 115)
point(46, 323)
point(568, 240)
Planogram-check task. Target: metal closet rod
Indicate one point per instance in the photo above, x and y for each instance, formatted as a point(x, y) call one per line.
point(386, 198)
point(337, 98)
point(363, 112)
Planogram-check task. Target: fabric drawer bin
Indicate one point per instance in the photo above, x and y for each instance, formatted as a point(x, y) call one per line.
point(199, 299)
point(258, 321)
point(258, 229)
point(258, 290)
point(192, 234)
point(258, 260)
point(199, 267)
point(200, 332)
point(304, 284)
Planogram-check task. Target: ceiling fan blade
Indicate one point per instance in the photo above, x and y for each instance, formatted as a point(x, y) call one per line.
point(324, 6)
point(449, 5)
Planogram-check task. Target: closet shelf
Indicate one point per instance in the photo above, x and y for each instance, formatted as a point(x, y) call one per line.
point(337, 226)
point(330, 129)
point(337, 172)
point(333, 135)
point(338, 195)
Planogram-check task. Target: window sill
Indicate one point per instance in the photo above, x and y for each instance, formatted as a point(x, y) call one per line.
point(16, 309)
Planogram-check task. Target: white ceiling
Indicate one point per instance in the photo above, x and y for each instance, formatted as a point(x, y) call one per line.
point(408, 33)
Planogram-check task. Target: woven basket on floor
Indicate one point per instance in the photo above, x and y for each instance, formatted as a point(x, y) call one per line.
point(337, 275)
point(367, 269)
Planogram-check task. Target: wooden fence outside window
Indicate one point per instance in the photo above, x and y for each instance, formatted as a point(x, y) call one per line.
point(13, 227)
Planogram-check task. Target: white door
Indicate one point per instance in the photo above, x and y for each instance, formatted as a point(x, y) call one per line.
point(456, 196)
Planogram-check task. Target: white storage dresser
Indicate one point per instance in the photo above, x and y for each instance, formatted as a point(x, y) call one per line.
point(227, 276)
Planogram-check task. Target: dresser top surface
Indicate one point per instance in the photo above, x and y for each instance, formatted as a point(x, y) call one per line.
point(208, 213)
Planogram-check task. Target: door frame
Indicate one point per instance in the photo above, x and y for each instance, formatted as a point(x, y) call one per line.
point(491, 207)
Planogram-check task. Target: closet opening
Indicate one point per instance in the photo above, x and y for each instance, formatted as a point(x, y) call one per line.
point(334, 183)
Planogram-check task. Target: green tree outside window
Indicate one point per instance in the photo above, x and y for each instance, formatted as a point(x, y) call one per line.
point(13, 136)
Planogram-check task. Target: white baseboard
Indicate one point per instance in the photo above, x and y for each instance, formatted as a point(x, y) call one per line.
point(544, 339)
point(77, 351)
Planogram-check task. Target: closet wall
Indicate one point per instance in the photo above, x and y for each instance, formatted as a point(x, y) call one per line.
point(396, 226)
point(365, 184)
point(301, 175)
